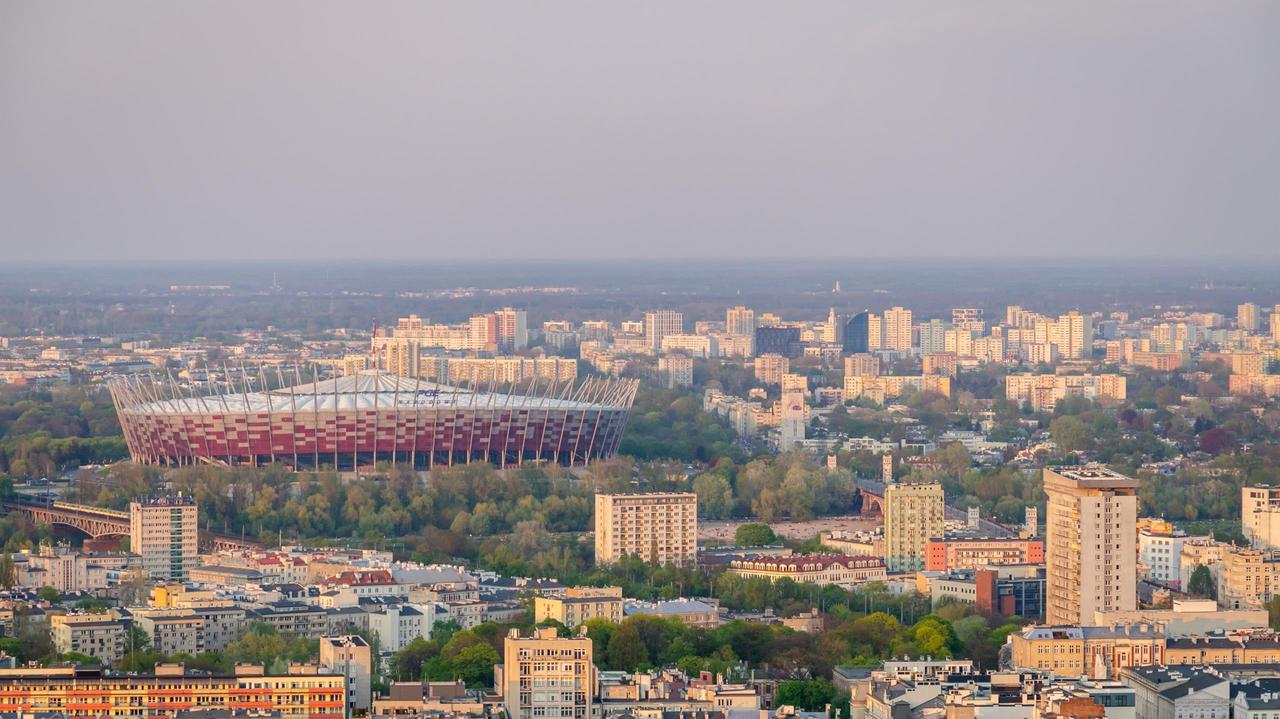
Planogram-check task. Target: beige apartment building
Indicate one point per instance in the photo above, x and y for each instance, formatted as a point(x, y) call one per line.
point(162, 530)
point(580, 605)
point(546, 675)
point(660, 527)
point(913, 514)
point(1044, 391)
point(739, 321)
point(1091, 544)
point(1260, 516)
point(771, 367)
point(897, 329)
point(103, 636)
point(350, 656)
point(862, 365)
point(172, 631)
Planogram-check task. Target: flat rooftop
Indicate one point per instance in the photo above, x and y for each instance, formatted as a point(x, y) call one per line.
point(1094, 477)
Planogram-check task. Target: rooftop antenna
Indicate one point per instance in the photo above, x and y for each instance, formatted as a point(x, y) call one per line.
point(373, 344)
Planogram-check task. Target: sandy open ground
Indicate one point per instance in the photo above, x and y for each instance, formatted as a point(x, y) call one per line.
point(723, 529)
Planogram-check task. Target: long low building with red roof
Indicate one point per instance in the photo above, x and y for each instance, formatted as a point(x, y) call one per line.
point(840, 569)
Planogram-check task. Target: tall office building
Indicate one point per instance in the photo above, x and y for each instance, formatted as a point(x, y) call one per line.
point(855, 334)
point(779, 340)
point(740, 321)
point(1091, 544)
point(1248, 316)
point(1275, 324)
point(913, 514)
point(512, 329)
point(897, 329)
point(659, 324)
point(660, 528)
point(546, 675)
point(162, 530)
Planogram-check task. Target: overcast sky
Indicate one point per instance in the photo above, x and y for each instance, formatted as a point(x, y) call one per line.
point(228, 130)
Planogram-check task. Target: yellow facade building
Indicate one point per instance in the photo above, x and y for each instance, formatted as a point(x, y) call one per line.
point(580, 605)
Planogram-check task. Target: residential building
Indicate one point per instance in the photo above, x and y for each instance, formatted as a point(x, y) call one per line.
point(1260, 516)
point(163, 532)
point(862, 365)
point(883, 387)
point(172, 631)
point(792, 424)
point(1254, 385)
point(1044, 391)
point(770, 368)
point(822, 569)
point(293, 618)
point(1248, 317)
point(969, 318)
point(1072, 650)
point(967, 552)
point(579, 605)
point(512, 329)
point(303, 693)
point(1090, 543)
point(676, 370)
point(659, 324)
point(1183, 692)
point(913, 514)
point(1258, 698)
point(349, 656)
point(66, 570)
point(1259, 646)
point(1160, 555)
point(546, 675)
point(397, 624)
point(102, 636)
point(660, 527)
point(944, 363)
point(1072, 334)
point(702, 346)
point(897, 329)
point(739, 321)
point(694, 612)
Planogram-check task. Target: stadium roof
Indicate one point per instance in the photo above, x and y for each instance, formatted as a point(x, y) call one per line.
point(371, 390)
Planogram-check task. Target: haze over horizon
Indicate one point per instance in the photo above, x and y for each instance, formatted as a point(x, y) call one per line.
point(574, 129)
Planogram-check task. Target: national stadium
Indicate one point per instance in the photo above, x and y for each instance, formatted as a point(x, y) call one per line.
point(371, 417)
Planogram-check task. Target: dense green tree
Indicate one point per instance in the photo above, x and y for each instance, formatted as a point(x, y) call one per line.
point(754, 534)
point(806, 694)
point(627, 650)
point(1201, 583)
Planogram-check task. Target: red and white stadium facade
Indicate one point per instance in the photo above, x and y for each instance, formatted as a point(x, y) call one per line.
point(370, 417)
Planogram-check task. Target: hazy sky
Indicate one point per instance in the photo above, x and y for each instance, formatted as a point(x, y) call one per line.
point(604, 129)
